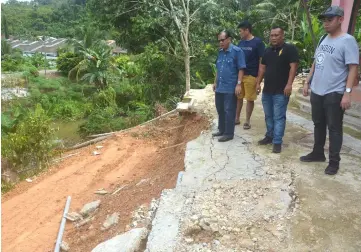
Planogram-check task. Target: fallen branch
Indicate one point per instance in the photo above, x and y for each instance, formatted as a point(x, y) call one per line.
point(95, 140)
point(121, 131)
point(120, 188)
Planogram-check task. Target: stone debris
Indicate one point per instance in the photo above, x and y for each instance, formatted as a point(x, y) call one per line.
point(84, 222)
point(144, 215)
point(74, 216)
point(89, 208)
point(28, 180)
point(64, 246)
point(110, 221)
point(130, 241)
point(101, 191)
point(96, 153)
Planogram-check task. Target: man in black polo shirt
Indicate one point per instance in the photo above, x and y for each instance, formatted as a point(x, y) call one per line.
point(278, 67)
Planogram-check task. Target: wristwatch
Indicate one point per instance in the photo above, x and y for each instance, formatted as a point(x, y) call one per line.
point(348, 90)
point(238, 82)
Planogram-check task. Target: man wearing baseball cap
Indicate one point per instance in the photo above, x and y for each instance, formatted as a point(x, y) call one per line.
point(333, 74)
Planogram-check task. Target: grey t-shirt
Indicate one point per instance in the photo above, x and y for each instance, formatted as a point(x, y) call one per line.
point(332, 58)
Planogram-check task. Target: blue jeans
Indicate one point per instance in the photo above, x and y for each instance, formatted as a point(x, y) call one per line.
point(275, 108)
point(226, 105)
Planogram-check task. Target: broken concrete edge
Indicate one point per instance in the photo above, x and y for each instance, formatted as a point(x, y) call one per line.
point(126, 242)
point(187, 105)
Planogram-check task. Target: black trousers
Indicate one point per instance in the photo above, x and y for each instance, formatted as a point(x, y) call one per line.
point(327, 112)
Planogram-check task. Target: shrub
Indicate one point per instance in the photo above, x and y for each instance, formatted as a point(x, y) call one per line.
point(101, 121)
point(69, 110)
point(105, 98)
point(130, 68)
point(140, 113)
point(31, 145)
point(67, 61)
point(126, 92)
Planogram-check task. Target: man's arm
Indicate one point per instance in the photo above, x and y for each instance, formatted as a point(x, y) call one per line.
point(307, 83)
point(352, 61)
point(215, 83)
point(261, 71)
point(240, 74)
point(241, 65)
point(293, 60)
point(312, 70)
point(352, 75)
point(291, 78)
point(293, 73)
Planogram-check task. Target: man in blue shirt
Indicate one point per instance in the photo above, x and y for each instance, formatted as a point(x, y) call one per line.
point(230, 64)
point(253, 49)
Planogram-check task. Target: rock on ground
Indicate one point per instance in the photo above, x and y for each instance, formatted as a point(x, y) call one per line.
point(110, 221)
point(64, 246)
point(130, 241)
point(90, 207)
point(74, 216)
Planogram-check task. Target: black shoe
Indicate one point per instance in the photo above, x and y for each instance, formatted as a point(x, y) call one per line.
point(332, 168)
point(217, 134)
point(225, 138)
point(277, 148)
point(265, 141)
point(312, 157)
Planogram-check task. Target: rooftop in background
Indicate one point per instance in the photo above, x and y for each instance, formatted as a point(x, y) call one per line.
point(50, 45)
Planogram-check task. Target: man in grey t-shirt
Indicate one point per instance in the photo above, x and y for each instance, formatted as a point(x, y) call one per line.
point(334, 72)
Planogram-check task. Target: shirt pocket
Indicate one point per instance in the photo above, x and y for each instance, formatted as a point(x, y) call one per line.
point(231, 64)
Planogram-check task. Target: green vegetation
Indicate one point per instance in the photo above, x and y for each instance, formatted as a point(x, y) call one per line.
point(168, 46)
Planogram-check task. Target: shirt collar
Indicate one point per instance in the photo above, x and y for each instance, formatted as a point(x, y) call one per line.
point(229, 49)
point(278, 47)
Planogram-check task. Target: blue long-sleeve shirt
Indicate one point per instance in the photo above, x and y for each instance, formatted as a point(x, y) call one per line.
point(229, 62)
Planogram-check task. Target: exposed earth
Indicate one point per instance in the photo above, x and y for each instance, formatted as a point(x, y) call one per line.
point(152, 155)
point(234, 196)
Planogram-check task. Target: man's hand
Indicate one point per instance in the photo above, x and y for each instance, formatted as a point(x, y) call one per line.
point(214, 87)
point(346, 101)
point(238, 90)
point(305, 89)
point(258, 88)
point(288, 90)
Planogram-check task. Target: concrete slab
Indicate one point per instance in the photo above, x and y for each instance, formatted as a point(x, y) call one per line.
point(238, 196)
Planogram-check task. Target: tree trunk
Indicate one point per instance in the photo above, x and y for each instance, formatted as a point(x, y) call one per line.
point(187, 69)
point(308, 15)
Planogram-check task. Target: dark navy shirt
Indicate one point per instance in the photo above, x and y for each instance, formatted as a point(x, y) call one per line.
point(228, 64)
point(253, 50)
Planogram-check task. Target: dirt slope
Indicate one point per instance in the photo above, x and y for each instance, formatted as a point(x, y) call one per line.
point(31, 212)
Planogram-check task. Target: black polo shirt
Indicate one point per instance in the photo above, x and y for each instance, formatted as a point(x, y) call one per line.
point(277, 61)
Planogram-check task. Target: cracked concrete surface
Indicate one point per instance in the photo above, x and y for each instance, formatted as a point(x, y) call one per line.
point(237, 196)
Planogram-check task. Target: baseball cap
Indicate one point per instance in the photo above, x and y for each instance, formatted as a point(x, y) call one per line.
point(332, 11)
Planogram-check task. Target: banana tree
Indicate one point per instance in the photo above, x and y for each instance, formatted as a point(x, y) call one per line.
point(97, 65)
